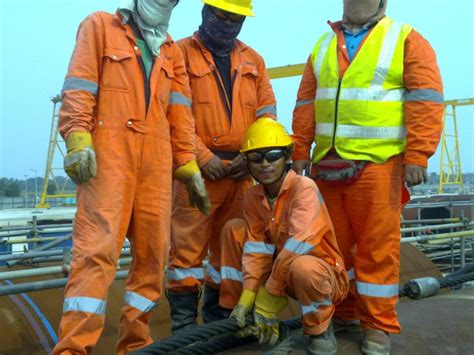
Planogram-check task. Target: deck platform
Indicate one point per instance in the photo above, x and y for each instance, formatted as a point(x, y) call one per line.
point(442, 325)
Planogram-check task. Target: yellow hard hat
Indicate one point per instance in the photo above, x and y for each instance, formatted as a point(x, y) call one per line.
point(240, 7)
point(265, 133)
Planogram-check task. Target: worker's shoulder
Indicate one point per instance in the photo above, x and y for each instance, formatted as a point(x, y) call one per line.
point(185, 42)
point(248, 50)
point(100, 18)
point(303, 183)
point(100, 15)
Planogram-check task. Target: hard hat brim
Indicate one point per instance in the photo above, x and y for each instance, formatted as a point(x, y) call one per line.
point(239, 10)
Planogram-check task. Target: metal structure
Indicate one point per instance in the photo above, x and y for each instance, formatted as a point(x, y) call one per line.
point(55, 141)
point(450, 170)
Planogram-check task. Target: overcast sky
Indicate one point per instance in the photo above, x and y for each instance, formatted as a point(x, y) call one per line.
point(37, 38)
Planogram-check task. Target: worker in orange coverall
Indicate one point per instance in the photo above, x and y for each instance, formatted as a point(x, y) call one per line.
point(285, 246)
point(125, 117)
point(371, 98)
point(230, 89)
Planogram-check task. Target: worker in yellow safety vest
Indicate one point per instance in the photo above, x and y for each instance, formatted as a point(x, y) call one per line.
point(371, 98)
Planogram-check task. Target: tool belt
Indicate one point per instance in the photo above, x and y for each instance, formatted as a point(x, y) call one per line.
point(334, 170)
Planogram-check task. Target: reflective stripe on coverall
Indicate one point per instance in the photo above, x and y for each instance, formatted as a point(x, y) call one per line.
point(368, 227)
point(191, 232)
point(291, 250)
point(131, 195)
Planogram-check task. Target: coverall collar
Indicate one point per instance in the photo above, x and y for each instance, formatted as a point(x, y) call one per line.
point(290, 176)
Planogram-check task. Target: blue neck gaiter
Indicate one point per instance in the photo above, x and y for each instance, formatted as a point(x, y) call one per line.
point(218, 35)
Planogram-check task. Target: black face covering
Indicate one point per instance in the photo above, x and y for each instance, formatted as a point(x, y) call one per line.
point(218, 35)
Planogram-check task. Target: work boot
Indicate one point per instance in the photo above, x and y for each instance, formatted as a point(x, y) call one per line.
point(376, 342)
point(211, 311)
point(323, 344)
point(347, 325)
point(183, 310)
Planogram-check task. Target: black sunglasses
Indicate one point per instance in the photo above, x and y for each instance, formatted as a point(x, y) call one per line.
point(226, 15)
point(270, 156)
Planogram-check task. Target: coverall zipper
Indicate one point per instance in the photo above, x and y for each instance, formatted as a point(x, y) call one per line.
point(220, 86)
point(146, 80)
point(335, 113)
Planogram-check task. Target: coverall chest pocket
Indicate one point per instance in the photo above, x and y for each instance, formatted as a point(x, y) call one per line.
point(116, 70)
point(203, 84)
point(248, 86)
point(166, 81)
point(277, 232)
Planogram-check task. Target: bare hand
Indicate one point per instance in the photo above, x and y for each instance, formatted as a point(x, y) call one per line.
point(302, 165)
point(238, 169)
point(415, 174)
point(215, 169)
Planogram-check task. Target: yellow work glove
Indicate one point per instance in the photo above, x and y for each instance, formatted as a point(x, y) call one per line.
point(265, 315)
point(244, 307)
point(190, 175)
point(79, 162)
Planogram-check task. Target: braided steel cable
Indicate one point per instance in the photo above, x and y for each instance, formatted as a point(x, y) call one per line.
point(450, 281)
point(465, 270)
point(211, 338)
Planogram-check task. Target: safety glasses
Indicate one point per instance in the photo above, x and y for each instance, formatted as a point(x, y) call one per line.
point(226, 15)
point(270, 156)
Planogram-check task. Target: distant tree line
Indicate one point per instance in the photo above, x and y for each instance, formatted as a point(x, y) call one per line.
point(16, 187)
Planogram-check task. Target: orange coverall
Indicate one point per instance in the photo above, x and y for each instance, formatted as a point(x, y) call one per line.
point(104, 93)
point(366, 214)
point(220, 130)
point(291, 249)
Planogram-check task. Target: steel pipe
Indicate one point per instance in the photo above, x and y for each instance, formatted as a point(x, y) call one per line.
point(433, 220)
point(47, 246)
point(44, 285)
point(438, 236)
point(50, 270)
point(37, 254)
point(21, 256)
point(27, 240)
point(435, 227)
point(31, 228)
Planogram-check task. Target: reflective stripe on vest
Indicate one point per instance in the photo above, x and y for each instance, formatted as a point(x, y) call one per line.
point(369, 122)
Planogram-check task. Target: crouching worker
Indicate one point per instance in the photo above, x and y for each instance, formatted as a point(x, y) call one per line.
point(284, 247)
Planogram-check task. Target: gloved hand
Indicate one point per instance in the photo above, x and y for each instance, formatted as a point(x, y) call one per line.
point(190, 175)
point(244, 307)
point(265, 315)
point(79, 162)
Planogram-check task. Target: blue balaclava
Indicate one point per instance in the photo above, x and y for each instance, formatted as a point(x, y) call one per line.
point(218, 35)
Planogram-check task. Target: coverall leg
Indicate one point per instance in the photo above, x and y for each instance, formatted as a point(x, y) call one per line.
point(372, 206)
point(149, 241)
point(124, 196)
point(310, 280)
point(192, 234)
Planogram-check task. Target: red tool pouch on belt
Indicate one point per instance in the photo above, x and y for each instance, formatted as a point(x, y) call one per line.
point(334, 170)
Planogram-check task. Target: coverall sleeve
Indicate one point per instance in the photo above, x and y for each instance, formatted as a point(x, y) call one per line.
point(266, 103)
point(303, 115)
point(308, 225)
point(423, 106)
point(180, 117)
point(204, 154)
point(258, 252)
point(81, 83)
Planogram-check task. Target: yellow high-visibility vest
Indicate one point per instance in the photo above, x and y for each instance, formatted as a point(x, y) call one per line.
point(361, 115)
